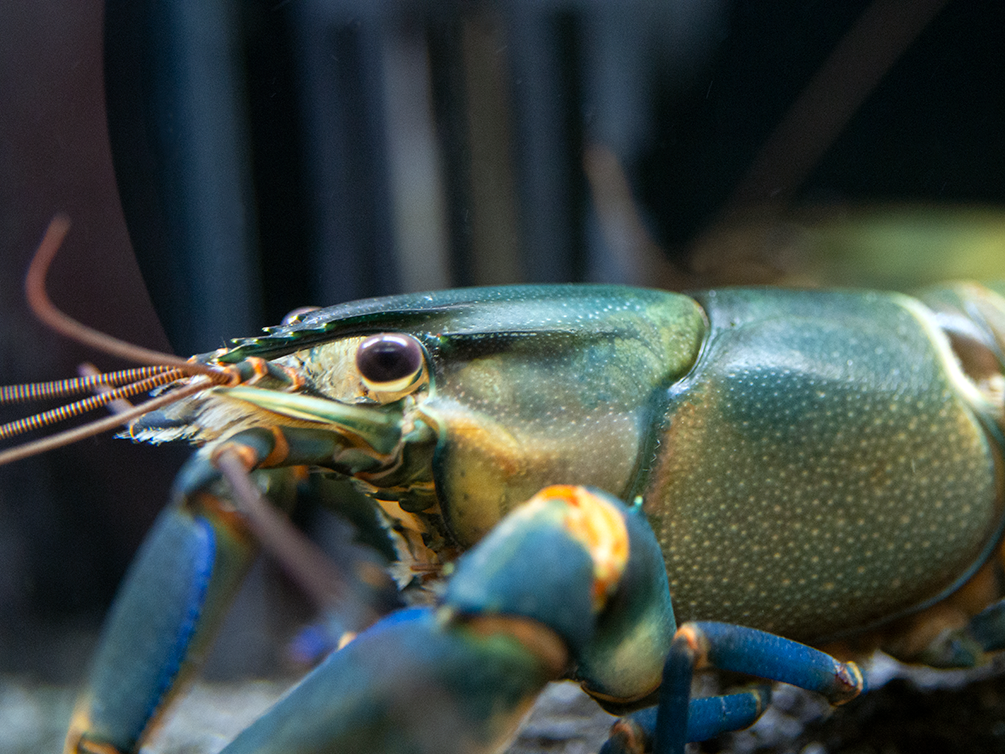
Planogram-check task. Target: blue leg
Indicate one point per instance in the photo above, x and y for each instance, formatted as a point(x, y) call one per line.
point(171, 602)
point(706, 718)
point(743, 650)
point(165, 612)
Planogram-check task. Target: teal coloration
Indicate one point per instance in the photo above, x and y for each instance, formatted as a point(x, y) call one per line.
point(810, 464)
point(820, 471)
point(407, 685)
point(490, 315)
point(169, 577)
point(434, 681)
point(560, 392)
point(622, 665)
point(528, 571)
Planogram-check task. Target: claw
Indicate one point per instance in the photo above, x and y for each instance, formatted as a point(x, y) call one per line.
point(519, 611)
point(172, 600)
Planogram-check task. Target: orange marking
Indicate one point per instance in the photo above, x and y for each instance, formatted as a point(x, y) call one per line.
point(76, 740)
point(600, 528)
point(297, 380)
point(93, 747)
point(629, 735)
point(225, 375)
point(407, 520)
point(345, 638)
point(225, 515)
point(280, 451)
point(541, 641)
point(259, 369)
point(247, 456)
point(696, 642)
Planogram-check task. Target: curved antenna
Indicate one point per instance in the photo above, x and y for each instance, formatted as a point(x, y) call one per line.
point(46, 311)
point(166, 367)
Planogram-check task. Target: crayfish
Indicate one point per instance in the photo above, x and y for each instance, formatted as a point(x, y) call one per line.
point(715, 479)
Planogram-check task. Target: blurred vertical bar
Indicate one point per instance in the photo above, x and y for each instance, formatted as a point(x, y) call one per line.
point(496, 243)
point(443, 39)
point(370, 147)
point(204, 277)
point(339, 48)
point(415, 160)
point(543, 52)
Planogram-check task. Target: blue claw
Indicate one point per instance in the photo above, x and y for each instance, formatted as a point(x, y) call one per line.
point(521, 609)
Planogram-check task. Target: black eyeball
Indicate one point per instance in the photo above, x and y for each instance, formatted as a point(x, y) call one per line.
point(389, 362)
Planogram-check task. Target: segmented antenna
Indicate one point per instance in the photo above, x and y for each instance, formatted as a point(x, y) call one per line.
point(43, 391)
point(163, 369)
point(299, 557)
point(77, 434)
point(20, 426)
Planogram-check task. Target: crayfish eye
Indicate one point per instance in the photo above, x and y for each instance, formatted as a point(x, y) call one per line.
point(390, 364)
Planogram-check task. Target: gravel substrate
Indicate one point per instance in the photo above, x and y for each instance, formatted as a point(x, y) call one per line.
point(917, 710)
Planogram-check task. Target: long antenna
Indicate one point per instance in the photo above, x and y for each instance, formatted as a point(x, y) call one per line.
point(46, 311)
point(62, 413)
point(164, 368)
point(71, 436)
point(42, 391)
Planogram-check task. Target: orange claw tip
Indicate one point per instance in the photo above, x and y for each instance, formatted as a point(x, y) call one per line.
point(600, 527)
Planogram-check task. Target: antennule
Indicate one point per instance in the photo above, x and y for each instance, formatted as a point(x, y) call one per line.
point(20, 426)
point(71, 436)
point(42, 391)
point(164, 368)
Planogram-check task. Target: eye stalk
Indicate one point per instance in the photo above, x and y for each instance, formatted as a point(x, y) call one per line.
point(391, 365)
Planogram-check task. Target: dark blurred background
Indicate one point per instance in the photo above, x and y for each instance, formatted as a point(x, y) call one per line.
point(259, 156)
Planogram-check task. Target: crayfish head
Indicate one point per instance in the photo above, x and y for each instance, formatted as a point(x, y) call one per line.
point(349, 405)
point(498, 392)
point(463, 403)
